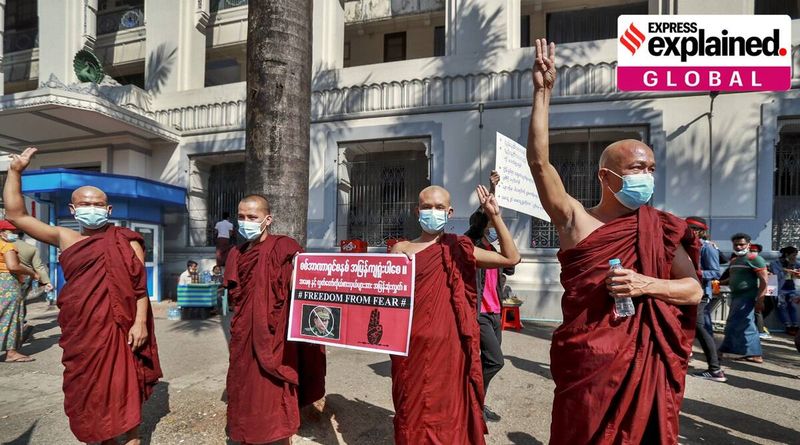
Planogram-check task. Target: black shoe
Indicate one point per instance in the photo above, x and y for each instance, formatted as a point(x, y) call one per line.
point(489, 415)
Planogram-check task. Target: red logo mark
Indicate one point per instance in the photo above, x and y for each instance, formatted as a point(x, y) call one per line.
point(632, 39)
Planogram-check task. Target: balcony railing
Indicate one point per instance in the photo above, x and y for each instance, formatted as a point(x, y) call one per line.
point(218, 5)
point(20, 40)
point(120, 20)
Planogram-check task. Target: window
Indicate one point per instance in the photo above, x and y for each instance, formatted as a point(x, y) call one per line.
point(789, 7)
point(117, 15)
point(438, 41)
point(222, 71)
point(587, 24)
point(226, 187)
point(575, 153)
point(394, 47)
point(786, 192)
point(379, 183)
point(525, 31)
point(21, 26)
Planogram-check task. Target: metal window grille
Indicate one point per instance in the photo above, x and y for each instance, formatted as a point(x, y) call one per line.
point(377, 194)
point(786, 194)
point(226, 187)
point(576, 158)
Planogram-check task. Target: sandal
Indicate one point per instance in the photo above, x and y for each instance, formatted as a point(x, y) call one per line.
point(750, 358)
point(25, 359)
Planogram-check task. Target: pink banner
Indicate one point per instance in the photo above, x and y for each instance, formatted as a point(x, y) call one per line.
point(725, 78)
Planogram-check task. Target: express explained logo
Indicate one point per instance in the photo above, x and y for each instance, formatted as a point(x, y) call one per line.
point(632, 39)
point(704, 53)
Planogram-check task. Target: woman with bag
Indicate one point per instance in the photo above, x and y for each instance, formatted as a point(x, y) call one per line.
point(11, 271)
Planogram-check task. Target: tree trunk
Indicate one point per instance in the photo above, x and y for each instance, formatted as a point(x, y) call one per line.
point(278, 109)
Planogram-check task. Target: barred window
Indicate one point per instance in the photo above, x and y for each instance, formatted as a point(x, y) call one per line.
point(786, 192)
point(226, 187)
point(379, 182)
point(575, 153)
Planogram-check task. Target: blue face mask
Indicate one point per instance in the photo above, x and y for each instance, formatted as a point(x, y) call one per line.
point(90, 217)
point(636, 189)
point(432, 221)
point(491, 235)
point(251, 230)
point(12, 237)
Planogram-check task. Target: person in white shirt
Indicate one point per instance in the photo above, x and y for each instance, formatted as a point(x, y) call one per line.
point(223, 231)
point(186, 276)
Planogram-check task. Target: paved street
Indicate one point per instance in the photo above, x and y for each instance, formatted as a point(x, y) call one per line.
point(759, 404)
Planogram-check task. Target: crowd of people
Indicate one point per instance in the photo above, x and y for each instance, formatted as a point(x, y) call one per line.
point(619, 376)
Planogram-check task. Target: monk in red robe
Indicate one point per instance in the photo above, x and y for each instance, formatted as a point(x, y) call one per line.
point(269, 378)
point(110, 353)
point(438, 388)
point(618, 379)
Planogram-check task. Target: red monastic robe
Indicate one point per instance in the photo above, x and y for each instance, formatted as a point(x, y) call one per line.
point(621, 381)
point(105, 383)
point(269, 378)
point(438, 389)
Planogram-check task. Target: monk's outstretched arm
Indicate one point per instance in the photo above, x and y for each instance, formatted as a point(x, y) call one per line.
point(15, 204)
point(555, 199)
point(508, 255)
point(682, 288)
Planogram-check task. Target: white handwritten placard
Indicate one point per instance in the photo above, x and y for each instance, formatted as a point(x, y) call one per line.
point(516, 190)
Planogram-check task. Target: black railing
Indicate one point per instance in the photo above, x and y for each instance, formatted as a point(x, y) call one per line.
point(383, 192)
point(786, 194)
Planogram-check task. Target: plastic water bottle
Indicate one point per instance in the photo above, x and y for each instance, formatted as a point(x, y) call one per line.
point(51, 297)
point(623, 307)
point(206, 277)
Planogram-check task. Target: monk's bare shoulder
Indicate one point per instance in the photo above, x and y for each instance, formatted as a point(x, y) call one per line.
point(582, 225)
point(68, 237)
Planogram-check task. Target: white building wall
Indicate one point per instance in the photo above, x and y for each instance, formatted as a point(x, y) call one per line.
point(437, 98)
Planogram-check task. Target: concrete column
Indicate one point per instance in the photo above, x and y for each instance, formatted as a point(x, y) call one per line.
point(176, 45)
point(327, 49)
point(481, 26)
point(2, 35)
point(65, 27)
point(198, 202)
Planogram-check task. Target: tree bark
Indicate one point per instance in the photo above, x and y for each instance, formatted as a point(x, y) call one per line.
point(278, 109)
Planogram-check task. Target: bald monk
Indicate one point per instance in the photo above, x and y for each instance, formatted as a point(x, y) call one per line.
point(269, 379)
point(618, 380)
point(438, 389)
point(110, 354)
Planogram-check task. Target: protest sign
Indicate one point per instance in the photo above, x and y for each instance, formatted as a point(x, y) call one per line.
point(357, 301)
point(516, 190)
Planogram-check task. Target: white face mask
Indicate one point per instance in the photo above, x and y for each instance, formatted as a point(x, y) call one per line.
point(251, 230)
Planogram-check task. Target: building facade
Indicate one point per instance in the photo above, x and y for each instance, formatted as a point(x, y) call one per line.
point(406, 93)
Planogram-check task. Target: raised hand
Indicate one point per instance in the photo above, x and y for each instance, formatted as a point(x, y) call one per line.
point(544, 68)
point(20, 162)
point(488, 201)
point(494, 179)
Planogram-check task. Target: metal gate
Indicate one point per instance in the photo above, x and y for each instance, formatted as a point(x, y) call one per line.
point(383, 192)
point(226, 187)
point(786, 192)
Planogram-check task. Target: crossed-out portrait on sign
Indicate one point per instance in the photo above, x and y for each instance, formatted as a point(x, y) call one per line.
point(321, 321)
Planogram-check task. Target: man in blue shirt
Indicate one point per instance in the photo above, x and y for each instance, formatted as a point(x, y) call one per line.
point(709, 265)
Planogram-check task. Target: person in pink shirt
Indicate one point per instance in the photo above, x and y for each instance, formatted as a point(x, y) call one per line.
point(490, 285)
